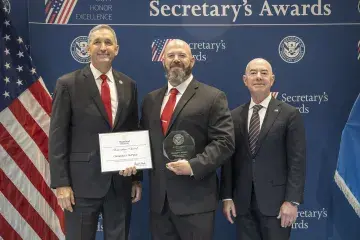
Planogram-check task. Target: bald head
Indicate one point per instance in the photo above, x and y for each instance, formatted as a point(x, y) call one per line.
point(178, 43)
point(259, 78)
point(258, 61)
point(178, 61)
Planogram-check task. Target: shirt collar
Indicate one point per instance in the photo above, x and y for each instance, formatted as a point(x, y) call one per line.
point(96, 73)
point(264, 103)
point(181, 87)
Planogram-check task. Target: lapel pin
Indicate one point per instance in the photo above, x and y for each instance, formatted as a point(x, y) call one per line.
point(121, 82)
point(276, 110)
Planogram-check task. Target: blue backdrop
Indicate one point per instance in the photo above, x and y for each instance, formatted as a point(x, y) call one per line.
point(312, 45)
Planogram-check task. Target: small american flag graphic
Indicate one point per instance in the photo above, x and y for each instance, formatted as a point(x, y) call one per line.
point(274, 94)
point(59, 11)
point(157, 49)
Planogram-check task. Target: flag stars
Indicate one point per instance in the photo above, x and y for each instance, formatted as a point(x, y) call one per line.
point(19, 82)
point(20, 54)
point(7, 80)
point(19, 40)
point(6, 94)
point(7, 65)
point(33, 70)
point(7, 23)
point(6, 10)
point(7, 37)
point(19, 68)
point(7, 51)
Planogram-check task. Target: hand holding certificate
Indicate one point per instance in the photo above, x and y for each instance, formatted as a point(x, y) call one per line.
point(122, 150)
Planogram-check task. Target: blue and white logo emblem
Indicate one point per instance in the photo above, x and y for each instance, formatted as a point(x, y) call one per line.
point(178, 139)
point(291, 49)
point(78, 49)
point(7, 6)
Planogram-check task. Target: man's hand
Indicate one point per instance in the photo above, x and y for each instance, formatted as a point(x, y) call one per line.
point(288, 214)
point(180, 167)
point(65, 196)
point(229, 210)
point(136, 190)
point(128, 172)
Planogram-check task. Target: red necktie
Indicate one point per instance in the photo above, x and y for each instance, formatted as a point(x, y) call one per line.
point(105, 97)
point(168, 110)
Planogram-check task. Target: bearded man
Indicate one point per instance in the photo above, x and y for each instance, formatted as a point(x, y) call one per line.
point(192, 134)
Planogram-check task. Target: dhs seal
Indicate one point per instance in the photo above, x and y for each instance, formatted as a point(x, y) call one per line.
point(78, 49)
point(7, 6)
point(291, 49)
point(178, 139)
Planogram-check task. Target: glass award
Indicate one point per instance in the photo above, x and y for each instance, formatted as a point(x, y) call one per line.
point(179, 145)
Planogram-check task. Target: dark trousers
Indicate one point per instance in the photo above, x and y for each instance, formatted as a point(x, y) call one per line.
point(168, 226)
point(256, 226)
point(115, 208)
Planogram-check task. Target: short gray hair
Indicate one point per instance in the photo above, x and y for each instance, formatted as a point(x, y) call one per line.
point(102, 26)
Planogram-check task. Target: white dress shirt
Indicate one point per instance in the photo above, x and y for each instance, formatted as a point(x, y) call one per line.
point(262, 111)
point(181, 89)
point(111, 81)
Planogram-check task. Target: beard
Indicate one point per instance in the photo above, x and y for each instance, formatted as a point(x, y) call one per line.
point(177, 74)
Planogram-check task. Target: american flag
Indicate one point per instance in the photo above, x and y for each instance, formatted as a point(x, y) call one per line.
point(59, 11)
point(274, 94)
point(157, 48)
point(28, 206)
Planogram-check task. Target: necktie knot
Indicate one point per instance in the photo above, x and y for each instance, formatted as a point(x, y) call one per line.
point(103, 77)
point(256, 108)
point(174, 91)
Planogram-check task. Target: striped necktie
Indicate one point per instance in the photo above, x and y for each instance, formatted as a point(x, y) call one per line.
point(254, 128)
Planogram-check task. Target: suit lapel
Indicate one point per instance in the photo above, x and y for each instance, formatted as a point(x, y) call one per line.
point(89, 82)
point(158, 99)
point(270, 117)
point(121, 96)
point(188, 94)
point(244, 126)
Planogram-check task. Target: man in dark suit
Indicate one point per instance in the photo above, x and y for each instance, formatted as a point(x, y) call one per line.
point(263, 183)
point(95, 99)
point(184, 192)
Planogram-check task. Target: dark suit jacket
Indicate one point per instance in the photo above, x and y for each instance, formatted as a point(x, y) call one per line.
point(78, 116)
point(278, 167)
point(203, 112)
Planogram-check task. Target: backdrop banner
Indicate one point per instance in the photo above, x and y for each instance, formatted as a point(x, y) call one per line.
point(313, 46)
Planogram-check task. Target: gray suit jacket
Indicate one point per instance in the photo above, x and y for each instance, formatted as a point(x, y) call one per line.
point(203, 112)
point(278, 167)
point(78, 116)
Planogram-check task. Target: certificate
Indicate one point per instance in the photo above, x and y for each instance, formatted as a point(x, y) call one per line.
point(125, 149)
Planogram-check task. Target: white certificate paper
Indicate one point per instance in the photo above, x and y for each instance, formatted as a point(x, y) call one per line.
point(125, 149)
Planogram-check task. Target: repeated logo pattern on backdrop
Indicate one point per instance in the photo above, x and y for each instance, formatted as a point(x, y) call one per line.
point(292, 49)
point(303, 102)
point(78, 49)
point(157, 49)
point(199, 49)
point(59, 11)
